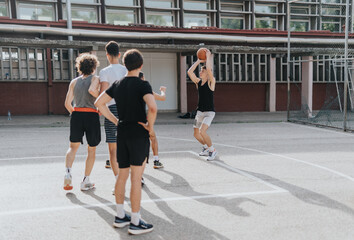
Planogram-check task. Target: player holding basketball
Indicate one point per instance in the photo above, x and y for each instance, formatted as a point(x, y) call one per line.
point(205, 110)
point(133, 145)
point(84, 117)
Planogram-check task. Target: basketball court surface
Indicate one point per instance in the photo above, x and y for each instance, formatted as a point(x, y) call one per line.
point(270, 181)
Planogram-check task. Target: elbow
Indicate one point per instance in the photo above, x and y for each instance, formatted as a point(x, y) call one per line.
point(153, 109)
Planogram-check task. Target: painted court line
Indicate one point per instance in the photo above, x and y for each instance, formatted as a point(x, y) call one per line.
point(44, 157)
point(272, 154)
point(172, 199)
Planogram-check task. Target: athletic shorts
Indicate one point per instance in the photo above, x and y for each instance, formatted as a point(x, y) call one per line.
point(132, 151)
point(203, 118)
point(109, 127)
point(87, 123)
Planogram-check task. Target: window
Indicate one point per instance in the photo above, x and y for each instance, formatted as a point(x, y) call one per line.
point(160, 3)
point(266, 22)
point(331, 10)
point(128, 3)
point(83, 10)
point(263, 8)
point(160, 18)
point(4, 12)
point(120, 17)
point(301, 25)
point(229, 5)
point(36, 11)
point(61, 63)
point(22, 64)
point(331, 24)
point(197, 4)
point(231, 22)
point(300, 10)
point(197, 19)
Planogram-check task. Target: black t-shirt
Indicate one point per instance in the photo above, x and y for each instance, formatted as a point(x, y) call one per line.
point(205, 98)
point(128, 94)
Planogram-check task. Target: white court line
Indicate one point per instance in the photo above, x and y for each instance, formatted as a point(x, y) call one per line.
point(273, 154)
point(348, 134)
point(172, 199)
point(44, 157)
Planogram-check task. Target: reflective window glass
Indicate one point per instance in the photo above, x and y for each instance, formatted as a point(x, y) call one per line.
point(233, 23)
point(197, 4)
point(266, 22)
point(120, 17)
point(129, 3)
point(3, 9)
point(191, 20)
point(30, 11)
point(160, 3)
point(82, 13)
point(263, 8)
point(160, 18)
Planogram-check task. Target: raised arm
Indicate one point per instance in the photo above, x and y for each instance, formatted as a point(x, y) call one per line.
point(191, 73)
point(209, 68)
point(94, 88)
point(162, 96)
point(70, 97)
point(100, 103)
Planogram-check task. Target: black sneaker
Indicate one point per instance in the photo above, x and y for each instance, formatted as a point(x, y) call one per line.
point(143, 227)
point(157, 164)
point(122, 222)
point(108, 164)
point(142, 181)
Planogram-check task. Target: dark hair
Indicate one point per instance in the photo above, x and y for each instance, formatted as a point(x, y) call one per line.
point(204, 67)
point(133, 59)
point(112, 48)
point(141, 75)
point(86, 63)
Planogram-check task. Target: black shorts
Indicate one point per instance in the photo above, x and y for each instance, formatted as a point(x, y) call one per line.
point(132, 150)
point(87, 123)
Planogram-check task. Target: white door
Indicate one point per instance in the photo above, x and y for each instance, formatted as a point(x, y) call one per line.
point(160, 69)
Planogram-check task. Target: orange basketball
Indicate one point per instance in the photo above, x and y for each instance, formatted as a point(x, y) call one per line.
point(201, 54)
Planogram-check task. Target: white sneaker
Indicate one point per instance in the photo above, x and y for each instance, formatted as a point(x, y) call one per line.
point(204, 152)
point(68, 182)
point(113, 191)
point(86, 184)
point(212, 155)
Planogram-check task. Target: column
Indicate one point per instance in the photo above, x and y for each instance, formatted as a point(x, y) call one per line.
point(183, 82)
point(307, 85)
point(272, 85)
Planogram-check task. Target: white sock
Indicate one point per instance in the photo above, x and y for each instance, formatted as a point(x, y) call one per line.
point(86, 179)
point(120, 210)
point(116, 176)
point(135, 218)
point(68, 170)
point(211, 149)
point(156, 158)
point(205, 146)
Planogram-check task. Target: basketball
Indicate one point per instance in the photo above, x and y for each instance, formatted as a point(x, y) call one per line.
point(201, 54)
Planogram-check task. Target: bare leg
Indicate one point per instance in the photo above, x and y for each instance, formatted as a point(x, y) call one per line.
point(198, 136)
point(90, 160)
point(135, 192)
point(205, 136)
point(154, 144)
point(112, 147)
point(119, 191)
point(70, 154)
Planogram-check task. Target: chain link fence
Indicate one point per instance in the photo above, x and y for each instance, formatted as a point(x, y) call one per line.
point(320, 68)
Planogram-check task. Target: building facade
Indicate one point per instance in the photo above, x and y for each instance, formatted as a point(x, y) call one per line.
point(248, 40)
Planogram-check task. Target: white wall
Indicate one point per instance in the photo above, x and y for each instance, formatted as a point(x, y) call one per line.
point(160, 69)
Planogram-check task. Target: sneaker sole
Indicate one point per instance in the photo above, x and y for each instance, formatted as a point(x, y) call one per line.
point(68, 187)
point(88, 188)
point(137, 232)
point(203, 155)
point(120, 225)
point(157, 167)
point(211, 159)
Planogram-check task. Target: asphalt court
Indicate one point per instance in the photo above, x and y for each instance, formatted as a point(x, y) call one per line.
point(270, 181)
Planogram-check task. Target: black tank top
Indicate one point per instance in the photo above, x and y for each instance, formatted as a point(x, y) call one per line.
point(205, 98)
